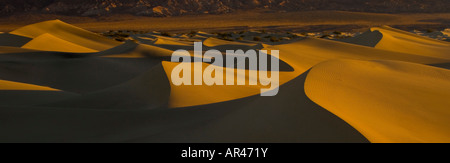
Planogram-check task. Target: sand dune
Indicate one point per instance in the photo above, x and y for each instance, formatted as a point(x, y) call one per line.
point(10, 85)
point(66, 84)
point(170, 41)
point(253, 119)
point(134, 50)
point(301, 55)
point(387, 101)
point(23, 94)
point(65, 35)
point(71, 72)
point(391, 39)
point(43, 41)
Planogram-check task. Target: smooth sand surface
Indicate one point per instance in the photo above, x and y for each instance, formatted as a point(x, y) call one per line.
point(385, 85)
point(387, 101)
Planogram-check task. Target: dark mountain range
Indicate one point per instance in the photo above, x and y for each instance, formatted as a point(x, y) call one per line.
point(183, 7)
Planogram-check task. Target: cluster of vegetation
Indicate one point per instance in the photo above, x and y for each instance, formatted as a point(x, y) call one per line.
point(167, 34)
point(429, 30)
point(192, 33)
point(256, 38)
point(337, 33)
point(118, 35)
point(225, 36)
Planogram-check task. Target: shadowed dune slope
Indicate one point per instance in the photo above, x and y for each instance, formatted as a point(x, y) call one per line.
point(23, 94)
point(288, 117)
point(370, 38)
point(300, 55)
point(48, 42)
point(387, 101)
point(147, 91)
point(72, 73)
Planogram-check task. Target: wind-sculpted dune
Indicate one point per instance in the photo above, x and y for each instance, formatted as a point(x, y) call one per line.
point(59, 36)
point(60, 83)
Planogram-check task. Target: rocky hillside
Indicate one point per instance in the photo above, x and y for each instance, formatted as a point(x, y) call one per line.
point(183, 7)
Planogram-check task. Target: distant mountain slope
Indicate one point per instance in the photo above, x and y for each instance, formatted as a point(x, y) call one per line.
point(182, 7)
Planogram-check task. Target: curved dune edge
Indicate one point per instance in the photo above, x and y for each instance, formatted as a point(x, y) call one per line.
point(287, 118)
point(149, 90)
point(9, 49)
point(193, 95)
point(400, 100)
point(67, 32)
point(48, 42)
point(387, 101)
point(12, 86)
point(405, 42)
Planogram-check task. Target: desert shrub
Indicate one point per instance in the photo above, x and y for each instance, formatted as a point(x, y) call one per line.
point(256, 38)
point(274, 39)
point(121, 34)
point(325, 36)
point(227, 38)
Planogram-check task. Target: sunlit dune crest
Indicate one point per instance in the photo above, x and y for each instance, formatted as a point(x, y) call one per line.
point(48, 42)
point(66, 35)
